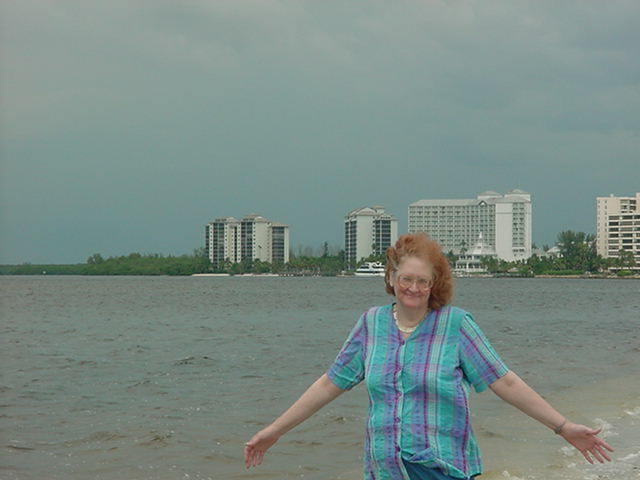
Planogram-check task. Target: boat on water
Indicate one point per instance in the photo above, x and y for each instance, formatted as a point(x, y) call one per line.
point(370, 269)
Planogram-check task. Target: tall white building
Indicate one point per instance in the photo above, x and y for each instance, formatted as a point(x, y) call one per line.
point(618, 226)
point(504, 221)
point(368, 230)
point(254, 237)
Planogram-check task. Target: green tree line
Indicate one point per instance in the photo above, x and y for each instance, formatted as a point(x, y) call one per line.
point(156, 264)
point(577, 256)
point(132, 264)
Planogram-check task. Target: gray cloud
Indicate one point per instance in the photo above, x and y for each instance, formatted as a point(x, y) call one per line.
point(127, 125)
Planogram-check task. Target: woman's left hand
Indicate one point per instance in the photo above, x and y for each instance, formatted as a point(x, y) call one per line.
point(585, 439)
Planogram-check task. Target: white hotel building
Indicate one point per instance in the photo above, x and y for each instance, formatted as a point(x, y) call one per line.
point(254, 237)
point(618, 226)
point(368, 230)
point(504, 221)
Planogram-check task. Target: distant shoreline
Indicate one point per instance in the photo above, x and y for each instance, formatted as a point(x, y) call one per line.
point(272, 275)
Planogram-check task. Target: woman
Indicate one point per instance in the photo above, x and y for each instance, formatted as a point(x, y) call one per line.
point(418, 357)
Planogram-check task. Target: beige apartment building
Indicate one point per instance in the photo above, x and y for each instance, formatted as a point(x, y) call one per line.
point(228, 239)
point(618, 226)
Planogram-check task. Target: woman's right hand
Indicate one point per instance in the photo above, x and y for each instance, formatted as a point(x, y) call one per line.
point(255, 448)
point(321, 392)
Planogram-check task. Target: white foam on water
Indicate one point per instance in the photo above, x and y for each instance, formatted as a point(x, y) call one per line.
point(622, 468)
point(633, 413)
point(507, 475)
point(607, 428)
point(629, 457)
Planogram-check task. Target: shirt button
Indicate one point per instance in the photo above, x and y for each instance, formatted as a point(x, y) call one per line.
point(397, 448)
point(401, 342)
point(397, 419)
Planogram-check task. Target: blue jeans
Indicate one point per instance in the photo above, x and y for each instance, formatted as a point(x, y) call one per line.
point(420, 472)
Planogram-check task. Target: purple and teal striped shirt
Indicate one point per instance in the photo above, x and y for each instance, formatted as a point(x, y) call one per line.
point(418, 390)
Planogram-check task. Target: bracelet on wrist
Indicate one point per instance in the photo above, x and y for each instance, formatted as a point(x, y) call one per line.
point(558, 429)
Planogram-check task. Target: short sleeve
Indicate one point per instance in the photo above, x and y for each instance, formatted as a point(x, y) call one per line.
point(348, 368)
point(479, 361)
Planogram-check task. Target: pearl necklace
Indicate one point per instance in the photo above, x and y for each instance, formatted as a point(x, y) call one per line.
point(405, 329)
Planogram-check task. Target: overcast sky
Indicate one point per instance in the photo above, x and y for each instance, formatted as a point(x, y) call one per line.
point(128, 125)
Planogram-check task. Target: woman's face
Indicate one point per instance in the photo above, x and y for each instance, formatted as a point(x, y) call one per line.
point(412, 282)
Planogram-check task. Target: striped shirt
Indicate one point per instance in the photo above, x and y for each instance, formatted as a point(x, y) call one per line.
point(418, 390)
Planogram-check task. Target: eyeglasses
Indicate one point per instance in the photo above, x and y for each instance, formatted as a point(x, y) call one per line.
point(407, 281)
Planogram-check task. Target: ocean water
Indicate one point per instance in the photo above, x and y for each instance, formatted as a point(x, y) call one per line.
point(166, 378)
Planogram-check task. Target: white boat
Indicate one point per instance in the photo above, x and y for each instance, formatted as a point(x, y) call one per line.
point(370, 269)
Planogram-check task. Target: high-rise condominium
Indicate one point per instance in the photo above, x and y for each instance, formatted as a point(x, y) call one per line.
point(618, 226)
point(254, 237)
point(368, 230)
point(503, 220)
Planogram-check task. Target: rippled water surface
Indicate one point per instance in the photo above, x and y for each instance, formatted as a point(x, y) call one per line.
point(166, 378)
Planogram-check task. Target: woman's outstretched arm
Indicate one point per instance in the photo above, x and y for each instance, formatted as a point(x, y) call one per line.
point(512, 389)
point(321, 392)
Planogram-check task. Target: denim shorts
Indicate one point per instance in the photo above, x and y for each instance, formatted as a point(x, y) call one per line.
point(420, 472)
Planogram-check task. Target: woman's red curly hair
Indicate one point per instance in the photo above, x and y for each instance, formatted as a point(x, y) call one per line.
point(421, 246)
